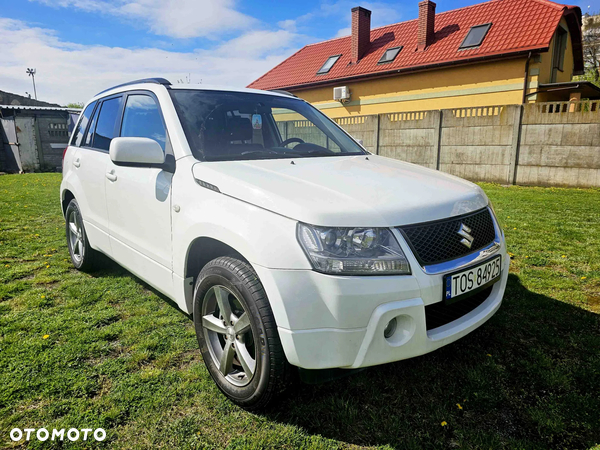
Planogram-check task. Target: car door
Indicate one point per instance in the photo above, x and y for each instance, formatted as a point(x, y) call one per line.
point(139, 199)
point(89, 163)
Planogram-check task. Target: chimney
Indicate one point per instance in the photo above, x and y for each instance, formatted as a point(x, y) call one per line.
point(361, 32)
point(426, 24)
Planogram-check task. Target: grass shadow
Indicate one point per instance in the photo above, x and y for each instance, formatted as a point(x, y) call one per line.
point(108, 268)
point(527, 378)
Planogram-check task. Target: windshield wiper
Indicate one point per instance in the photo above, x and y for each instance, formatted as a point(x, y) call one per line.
point(266, 153)
point(253, 154)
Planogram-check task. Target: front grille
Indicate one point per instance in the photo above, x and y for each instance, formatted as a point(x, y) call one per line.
point(439, 314)
point(439, 241)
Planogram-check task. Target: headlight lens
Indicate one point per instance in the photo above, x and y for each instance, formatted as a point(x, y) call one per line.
point(353, 251)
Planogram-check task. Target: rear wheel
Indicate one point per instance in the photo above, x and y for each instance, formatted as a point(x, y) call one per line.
point(237, 334)
point(83, 256)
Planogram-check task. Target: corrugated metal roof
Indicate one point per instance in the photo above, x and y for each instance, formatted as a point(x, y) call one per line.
point(40, 108)
point(517, 26)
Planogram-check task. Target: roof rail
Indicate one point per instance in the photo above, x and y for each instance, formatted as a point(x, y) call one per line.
point(279, 91)
point(162, 81)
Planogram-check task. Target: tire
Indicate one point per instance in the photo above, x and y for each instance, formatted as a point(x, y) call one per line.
point(229, 345)
point(83, 256)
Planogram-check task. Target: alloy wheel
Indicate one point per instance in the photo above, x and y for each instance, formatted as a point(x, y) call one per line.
point(229, 336)
point(76, 236)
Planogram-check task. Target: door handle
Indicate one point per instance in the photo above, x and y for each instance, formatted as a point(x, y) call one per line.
point(111, 175)
point(76, 163)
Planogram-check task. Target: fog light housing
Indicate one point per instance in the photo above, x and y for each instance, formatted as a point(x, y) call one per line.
point(390, 328)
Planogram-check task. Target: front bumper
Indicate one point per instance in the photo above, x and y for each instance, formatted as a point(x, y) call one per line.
point(327, 321)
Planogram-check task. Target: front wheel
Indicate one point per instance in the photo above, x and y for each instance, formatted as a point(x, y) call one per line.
point(237, 334)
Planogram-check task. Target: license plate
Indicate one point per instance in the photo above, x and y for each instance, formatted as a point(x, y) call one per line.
point(472, 279)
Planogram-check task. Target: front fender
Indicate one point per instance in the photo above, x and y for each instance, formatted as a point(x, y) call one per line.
point(262, 237)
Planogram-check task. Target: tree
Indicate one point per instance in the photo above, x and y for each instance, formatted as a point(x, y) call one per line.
point(77, 105)
point(591, 48)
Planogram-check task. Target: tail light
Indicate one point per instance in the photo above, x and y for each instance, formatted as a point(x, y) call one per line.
point(63, 158)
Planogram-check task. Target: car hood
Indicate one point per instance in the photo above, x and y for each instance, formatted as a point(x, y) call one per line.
point(344, 190)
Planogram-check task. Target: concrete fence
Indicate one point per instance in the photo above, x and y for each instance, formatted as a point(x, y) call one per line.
point(535, 144)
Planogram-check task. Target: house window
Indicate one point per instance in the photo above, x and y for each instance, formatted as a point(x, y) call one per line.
point(558, 55)
point(325, 68)
point(389, 55)
point(475, 36)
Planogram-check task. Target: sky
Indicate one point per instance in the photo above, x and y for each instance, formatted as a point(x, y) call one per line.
point(81, 47)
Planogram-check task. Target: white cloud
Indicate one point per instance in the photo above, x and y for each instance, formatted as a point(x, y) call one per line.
point(258, 43)
point(70, 72)
point(188, 18)
point(173, 18)
point(288, 24)
point(340, 11)
point(343, 32)
point(213, 18)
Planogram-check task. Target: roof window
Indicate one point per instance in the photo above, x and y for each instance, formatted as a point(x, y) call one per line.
point(389, 55)
point(325, 68)
point(475, 36)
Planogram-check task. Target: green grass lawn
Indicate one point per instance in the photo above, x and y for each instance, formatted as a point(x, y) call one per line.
point(104, 350)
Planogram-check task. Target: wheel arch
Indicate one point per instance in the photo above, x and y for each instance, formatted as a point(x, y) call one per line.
point(200, 252)
point(203, 250)
point(67, 196)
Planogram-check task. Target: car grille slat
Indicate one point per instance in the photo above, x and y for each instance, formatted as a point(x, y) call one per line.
point(440, 313)
point(439, 241)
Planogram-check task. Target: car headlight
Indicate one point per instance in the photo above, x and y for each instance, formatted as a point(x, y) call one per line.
point(353, 251)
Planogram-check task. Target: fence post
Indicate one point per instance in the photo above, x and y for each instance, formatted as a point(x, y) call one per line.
point(516, 144)
point(376, 136)
point(437, 140)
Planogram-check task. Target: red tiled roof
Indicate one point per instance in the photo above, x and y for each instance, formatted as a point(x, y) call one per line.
point(517, 26)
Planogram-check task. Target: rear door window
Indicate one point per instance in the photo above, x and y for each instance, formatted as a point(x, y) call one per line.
point(87, 140)
point(142, 118)
point(106, 128)
point(79, 131)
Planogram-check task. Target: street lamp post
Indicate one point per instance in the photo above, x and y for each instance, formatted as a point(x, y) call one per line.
point(31, 73)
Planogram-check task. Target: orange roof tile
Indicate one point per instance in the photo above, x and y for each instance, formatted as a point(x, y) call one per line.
point(517, 26)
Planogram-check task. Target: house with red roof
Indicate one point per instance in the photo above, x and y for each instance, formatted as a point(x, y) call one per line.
point(494, 53)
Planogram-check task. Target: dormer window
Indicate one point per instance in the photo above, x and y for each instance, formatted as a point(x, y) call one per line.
point(325, 68)
point(390, 55)
point(475, 36)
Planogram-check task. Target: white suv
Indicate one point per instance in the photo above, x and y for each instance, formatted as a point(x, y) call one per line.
point(287, 241)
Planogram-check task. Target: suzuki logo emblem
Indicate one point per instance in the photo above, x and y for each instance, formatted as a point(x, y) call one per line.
point(467, 239)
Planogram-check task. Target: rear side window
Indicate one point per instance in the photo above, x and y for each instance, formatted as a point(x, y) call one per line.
point(82, 124)
point(142, 118)
point(87, 140)
point(107, 122)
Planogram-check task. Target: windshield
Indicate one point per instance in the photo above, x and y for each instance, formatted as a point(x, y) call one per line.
point(227, 126)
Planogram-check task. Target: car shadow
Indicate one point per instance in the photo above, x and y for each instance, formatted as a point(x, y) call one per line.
point(109, 268)
point(528, 377)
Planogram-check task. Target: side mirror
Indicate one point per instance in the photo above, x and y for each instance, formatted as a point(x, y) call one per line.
point(136, 151)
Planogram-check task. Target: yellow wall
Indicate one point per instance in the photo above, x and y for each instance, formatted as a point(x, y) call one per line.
point(483, 84)
point(494, 83)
